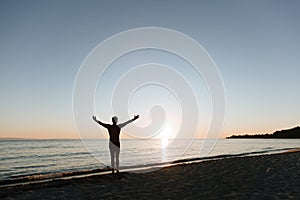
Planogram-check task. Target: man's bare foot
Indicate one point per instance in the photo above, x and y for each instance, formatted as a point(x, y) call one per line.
point(118, 171)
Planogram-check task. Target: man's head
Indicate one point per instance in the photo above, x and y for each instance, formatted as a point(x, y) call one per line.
point(114, 120)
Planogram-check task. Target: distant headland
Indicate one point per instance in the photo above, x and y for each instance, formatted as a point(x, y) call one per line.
point(288, 133)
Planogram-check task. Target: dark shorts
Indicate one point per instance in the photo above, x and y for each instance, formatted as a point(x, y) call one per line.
point(114, 146)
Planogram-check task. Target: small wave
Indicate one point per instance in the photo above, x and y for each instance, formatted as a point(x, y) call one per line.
point(268, 148)
point(50, 176)
point(34, 166)
point(77, 154)
point(233, 155)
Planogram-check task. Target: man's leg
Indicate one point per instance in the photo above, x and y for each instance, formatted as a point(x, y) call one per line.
point(112, 157)
point(117, 158)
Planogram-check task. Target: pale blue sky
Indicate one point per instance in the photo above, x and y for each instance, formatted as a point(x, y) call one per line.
point(255, 45)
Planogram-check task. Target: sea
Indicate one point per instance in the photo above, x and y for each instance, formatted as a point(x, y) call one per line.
point(24, 161)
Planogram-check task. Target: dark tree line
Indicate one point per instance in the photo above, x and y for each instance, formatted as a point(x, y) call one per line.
point(289, 133)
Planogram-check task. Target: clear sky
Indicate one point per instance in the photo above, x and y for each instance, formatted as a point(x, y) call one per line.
point(255, 45)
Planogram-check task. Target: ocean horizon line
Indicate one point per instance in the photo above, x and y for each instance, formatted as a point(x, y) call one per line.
point(106, 138)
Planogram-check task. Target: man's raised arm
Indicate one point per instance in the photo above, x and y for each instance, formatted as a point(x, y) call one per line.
point(99, 122)
point(129, 121)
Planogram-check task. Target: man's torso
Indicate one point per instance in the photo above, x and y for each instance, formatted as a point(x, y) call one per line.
point(114, 134)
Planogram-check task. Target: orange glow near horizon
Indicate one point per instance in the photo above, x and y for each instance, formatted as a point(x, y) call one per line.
point(71, 133)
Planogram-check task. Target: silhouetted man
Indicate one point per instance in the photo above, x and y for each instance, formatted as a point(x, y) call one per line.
point(114, 140)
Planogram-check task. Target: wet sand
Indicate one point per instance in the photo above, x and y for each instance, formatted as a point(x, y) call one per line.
point(274, 176)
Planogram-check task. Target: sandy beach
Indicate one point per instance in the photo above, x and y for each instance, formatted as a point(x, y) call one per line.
point(274, 176)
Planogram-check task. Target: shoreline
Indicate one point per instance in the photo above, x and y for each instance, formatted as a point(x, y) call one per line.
point(43, 178)
point(273, 175)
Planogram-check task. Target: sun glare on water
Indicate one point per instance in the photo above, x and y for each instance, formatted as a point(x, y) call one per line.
point(164, 142)
point(165, 134)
